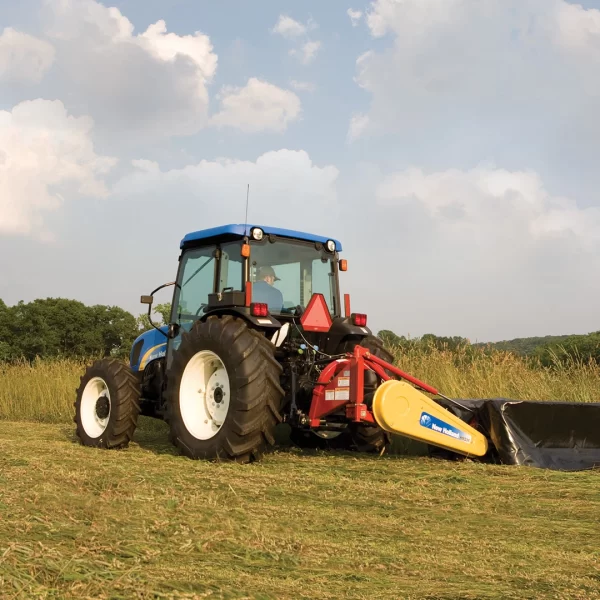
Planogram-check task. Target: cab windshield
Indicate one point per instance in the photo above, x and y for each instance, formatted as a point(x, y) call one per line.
point(285, 274)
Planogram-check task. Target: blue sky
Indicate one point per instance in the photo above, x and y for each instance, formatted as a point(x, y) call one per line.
point(452, 146)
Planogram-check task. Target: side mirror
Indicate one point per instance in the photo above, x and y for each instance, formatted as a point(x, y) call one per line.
point(150, 299)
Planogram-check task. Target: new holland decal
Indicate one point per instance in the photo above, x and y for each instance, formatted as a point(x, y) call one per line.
point(430, 422)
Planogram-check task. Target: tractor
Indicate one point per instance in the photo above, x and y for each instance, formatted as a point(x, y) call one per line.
point(259, 335)
point(256, 317)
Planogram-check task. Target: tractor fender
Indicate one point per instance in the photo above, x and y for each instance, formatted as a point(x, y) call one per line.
point(341, 328)
point(149, 346)
point(268, 322)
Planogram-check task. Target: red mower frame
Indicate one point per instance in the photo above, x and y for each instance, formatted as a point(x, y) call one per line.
point(342, 383)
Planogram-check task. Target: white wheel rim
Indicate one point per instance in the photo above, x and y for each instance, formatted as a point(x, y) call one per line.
point(204, 395)
point(94, 397)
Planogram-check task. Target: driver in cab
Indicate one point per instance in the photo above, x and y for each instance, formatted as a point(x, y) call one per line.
point(264, 291)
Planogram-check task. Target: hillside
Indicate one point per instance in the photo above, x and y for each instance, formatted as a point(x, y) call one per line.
point(525, 346)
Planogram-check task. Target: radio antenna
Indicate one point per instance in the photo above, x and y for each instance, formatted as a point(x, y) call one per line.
point(246, 219)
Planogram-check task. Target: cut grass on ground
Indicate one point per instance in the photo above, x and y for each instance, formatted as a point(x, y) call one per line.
point(77, 522)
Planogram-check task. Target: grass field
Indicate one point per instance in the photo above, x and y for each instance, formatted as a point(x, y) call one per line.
point(143, 522)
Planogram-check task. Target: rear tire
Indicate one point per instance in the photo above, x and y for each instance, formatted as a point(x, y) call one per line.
point(237, 422)
point(107, 405)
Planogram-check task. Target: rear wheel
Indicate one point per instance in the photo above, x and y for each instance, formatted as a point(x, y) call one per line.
point(107, 405)
point(223, 391)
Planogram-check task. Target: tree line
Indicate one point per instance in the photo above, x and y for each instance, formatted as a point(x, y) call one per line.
point(59, 327)
point(547, 350)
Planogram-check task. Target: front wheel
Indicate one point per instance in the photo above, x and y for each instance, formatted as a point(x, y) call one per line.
point(223, 391)
point(107, 405)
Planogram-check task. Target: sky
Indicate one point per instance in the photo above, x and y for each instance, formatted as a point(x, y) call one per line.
point(451, 145)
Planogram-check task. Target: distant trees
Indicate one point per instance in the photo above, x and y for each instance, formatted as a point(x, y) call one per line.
point(527, 346)
point(429, 340)
point(161, 316)
point(572, 347)
point(57, 327)
point(548, 350)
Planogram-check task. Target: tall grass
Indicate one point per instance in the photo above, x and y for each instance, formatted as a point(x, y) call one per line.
point(40, 391)
point(45, 390)
point(470, 372)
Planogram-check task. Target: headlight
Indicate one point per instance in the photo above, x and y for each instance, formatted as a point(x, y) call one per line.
point(330, 245)
point(257, 234)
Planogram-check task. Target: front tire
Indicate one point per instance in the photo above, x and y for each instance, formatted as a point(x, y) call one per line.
point(223, 391)
point(107, 405)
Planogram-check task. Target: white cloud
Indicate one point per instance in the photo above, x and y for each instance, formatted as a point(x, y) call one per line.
point(487, 253)
point(46, 156)
point(358, 124)
point(280, 181)
point(153, 83)
point(504, 79)
point(578, 28)
point(355, 16)
point(258, 106)
point(307, 52)
point(169, 46)
point(305, 49)
point(23, 57)
point(486, 204)
point(288, 27)
point(303, 86)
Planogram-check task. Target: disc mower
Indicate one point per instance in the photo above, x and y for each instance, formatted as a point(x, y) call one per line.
point(259, 335)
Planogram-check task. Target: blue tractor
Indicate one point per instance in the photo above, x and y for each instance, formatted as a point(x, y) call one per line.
point(256, 319)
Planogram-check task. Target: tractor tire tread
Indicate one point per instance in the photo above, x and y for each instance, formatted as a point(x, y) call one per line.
point(124, 392)
point(254, 379)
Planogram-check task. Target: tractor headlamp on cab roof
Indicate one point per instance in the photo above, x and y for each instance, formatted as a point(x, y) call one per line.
point(257, 233)
point(330, 245)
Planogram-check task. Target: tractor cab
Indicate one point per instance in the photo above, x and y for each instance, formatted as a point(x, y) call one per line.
point(244, 268)
point(264, 275)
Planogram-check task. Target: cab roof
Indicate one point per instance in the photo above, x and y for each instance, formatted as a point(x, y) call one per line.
point(237, 230)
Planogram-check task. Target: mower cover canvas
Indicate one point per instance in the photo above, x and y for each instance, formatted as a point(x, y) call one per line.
point(552, 435)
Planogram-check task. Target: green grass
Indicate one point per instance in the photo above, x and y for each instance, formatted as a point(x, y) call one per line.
point(77, 522)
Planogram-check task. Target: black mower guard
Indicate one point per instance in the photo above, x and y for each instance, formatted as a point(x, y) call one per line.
point(561, 436)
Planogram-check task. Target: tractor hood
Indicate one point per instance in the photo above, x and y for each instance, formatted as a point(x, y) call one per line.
point(148, 347)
